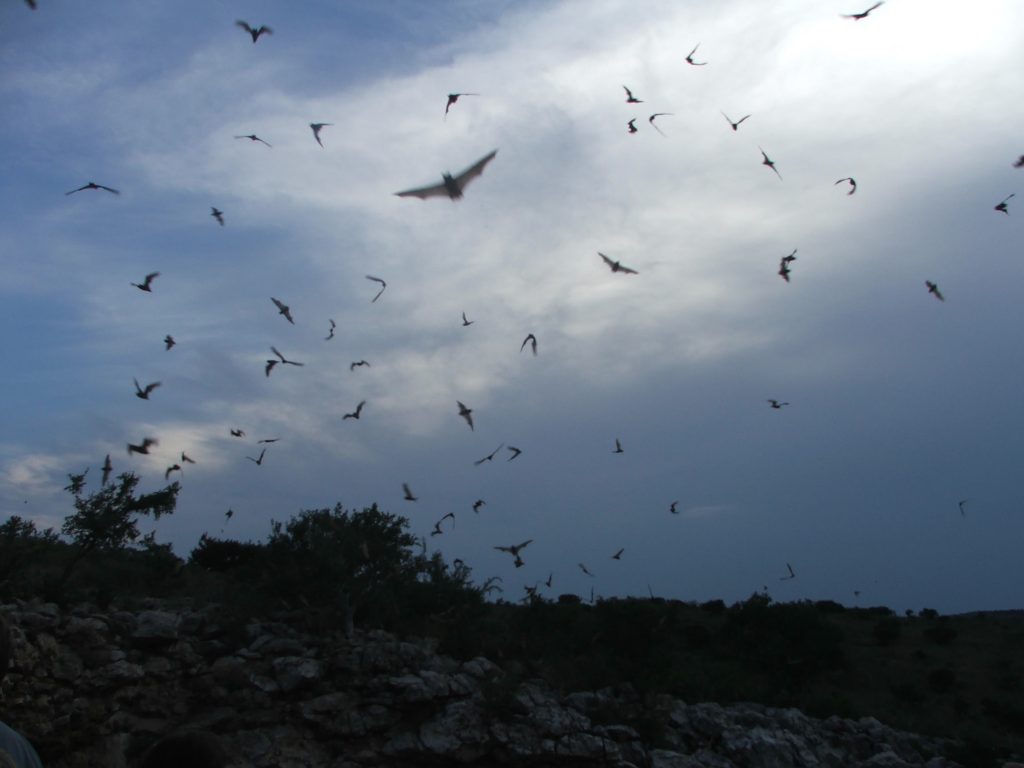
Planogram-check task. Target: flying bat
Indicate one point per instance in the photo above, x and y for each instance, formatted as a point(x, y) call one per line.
point(452, 98)
point(358, 364)
point(514, 549)
point(466, 322)
point(657, 114)
point(1019, 163)
point(218, 215)
point(532, 341)
point(488, 457)
point(630, 98)
point(259, 461)
point(143, 393)
point(631, 125)
point(584, 568)
point(1002, 206)
point(255, 33)
point(792, 575)
point(238, 433)
point(92, 185)
point(186, 459)
point(169, 341)
point(268, 440)
point(933, 288)
point(618, 446)
point(253, 137)
point(451, 186)
point(147, 443)
point(356, 413)
point(862, 14)
point(466, 413)
point(618, 555)
point(283, 309)
point(615, 266)
point(107, 469)
point(853, 184)
point(776, 404)
point(172, 468)
point(770, 163)
point(383, 285)
point(477, 504)
point(736, 125)
point(317, 127)
point(147, 282)
point(689, 57)
point(673, 507)
point(408, 492)
point(330, 334)
point(960, 504)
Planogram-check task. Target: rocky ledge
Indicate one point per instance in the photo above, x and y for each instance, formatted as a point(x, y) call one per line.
point(95, 688)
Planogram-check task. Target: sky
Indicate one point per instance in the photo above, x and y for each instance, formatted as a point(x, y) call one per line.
point(900, 406)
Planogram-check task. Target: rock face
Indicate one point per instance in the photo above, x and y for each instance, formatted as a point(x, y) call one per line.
point(91, 688)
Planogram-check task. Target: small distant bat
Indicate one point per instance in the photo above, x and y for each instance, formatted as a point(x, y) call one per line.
point(253, 137)
point(1019, 163)
point(408, 492)
point(259, 461)
point(383, 285)
point(961, 504)
point(147, 443)
point(451, 186)
point(618, 446)
point(281, 359)
point(615, 266)
point(143, 392)
point(934, 289)
point(673, 507)
point(1001, 207)
point(107, 469)
point(631, 126)
point(147, 282)
point(358, 364)
point(268, 440)
point(689, 58)
point(228, 515)
point(186, 459)
point(255, 33)
point(477, 504)
point(283, 309)
point(356, 413)
point(618, 555)
point(532, 340)
point(169, 341)
point(92, 185)
point(218, 215)
point(583, 567)
point(657, 114)
point(488, 457)
point(330, 334)
point(466, 322)
point(770, 163)
point(317, 127)
point(776, 404)
point(853, 184)
point(630, 98)
point(466, 413)
point(736, 125)
point(792, 574)
point(862, 14)
point(452, 98)
point(238, 433)
point(515, 452)
point(172, 468)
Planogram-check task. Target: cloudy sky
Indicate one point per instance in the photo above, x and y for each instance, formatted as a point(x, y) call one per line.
point(900, 405)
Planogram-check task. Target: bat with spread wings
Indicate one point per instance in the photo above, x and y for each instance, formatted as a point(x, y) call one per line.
point(451, 186)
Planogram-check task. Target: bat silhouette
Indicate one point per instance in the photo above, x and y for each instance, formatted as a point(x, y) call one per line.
point(147, 443)
point(784, 263)
point(776, 404)
point(238, 433)
point(147, 282)
point(107, 469)
point(658, 114)
point(1002, 206)
point(933, 288)
point(356, 413)
point(852, 182)
point(1019, 163)
point(673, 507)
point(618, 446)
point(466, 322)
point(584, 568)
point(317, 127)
point(618, 555)
point(283, 309)
point(330, 334)
point(477, 504)
point(143, 393)
point(92, 185)
point(515, 452)
point(488, 457)
point(615, 266)
point(631, 125)
point(862, 14)
point(259, 461)
point(452, 98)
point(255, 33)
point(770, 163)
point(172, 468)
point(792, 574)
point(358, 363)
point(451, 186)
point(630, 98)
point(253, 137)
point(736, 125)
point(408, 492)
point(169, 341)
point(514, 549)
point(689, 57)
point(282, 359)
point(186, 459)
point(268, 440)
point(218, 215)
point(466, 413)
point(532, 341)
point(383, 285)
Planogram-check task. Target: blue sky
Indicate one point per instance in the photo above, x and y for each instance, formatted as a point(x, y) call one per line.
point(900, 405)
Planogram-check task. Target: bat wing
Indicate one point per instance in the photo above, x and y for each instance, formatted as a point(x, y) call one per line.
point(436, 190)
point(474, 170)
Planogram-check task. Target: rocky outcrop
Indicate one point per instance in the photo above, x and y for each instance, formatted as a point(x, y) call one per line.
point(94, 688)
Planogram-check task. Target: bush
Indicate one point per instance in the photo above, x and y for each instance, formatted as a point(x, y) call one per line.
point(887, 631)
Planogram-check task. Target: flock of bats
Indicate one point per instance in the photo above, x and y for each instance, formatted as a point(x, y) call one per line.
point(452, 186)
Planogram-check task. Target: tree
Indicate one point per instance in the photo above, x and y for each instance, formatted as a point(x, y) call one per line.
point(109, 518)
point(21, 545)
